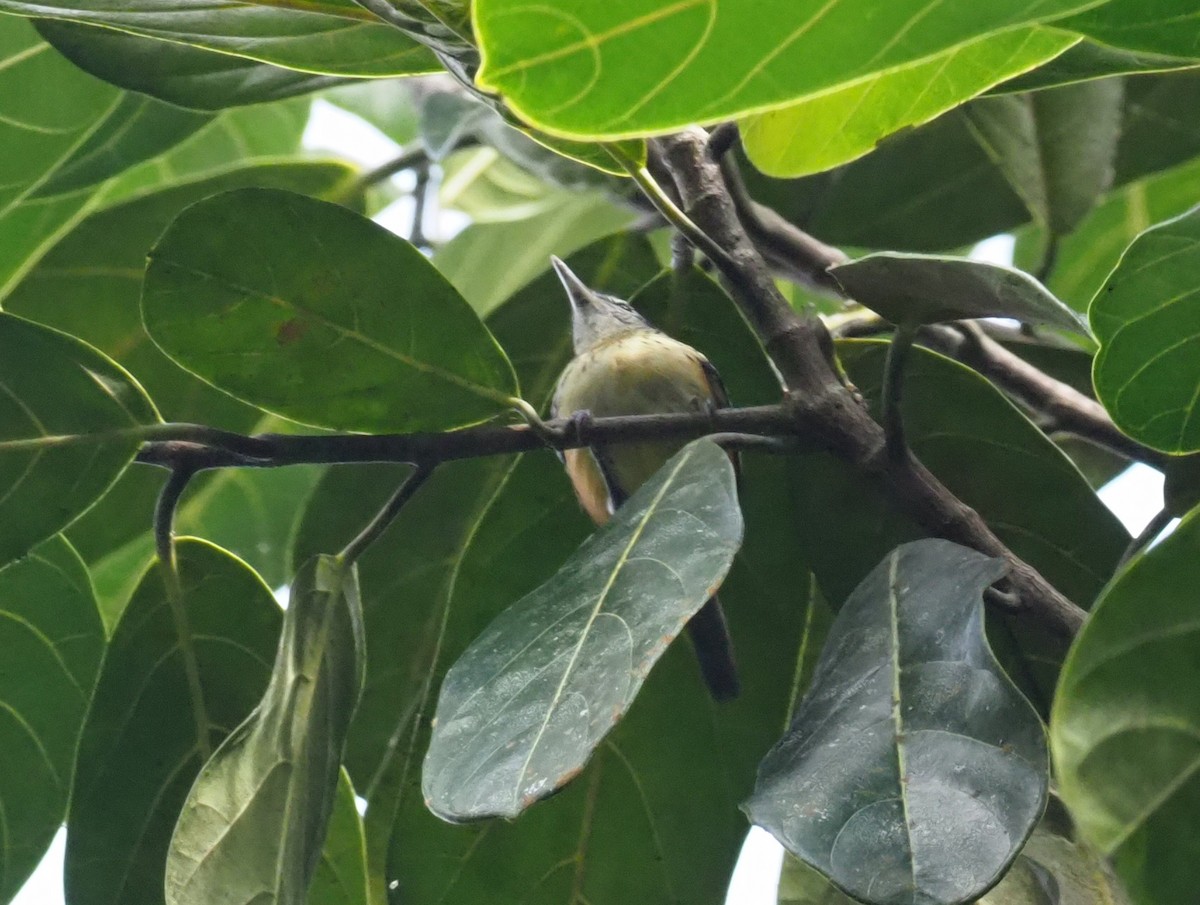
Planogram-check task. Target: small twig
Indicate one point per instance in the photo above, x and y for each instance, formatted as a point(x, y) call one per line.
point(1049, 259)
point(1146, 537)
point(387, 514)
point(683, 254)
point(722, 139)
point(164, 516)
point(420, 194)
point(893, 391)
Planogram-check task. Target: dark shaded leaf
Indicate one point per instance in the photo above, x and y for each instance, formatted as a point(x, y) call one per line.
point(52, 640)
point(1056, 147)
point(180, 74)
point(54, 386)
point(1089, 60)
point(1147, 319)
point(255, 821)
point(913, 770)
point(925, 289)
point(1157, 26)
point(521, 711)
point(268, 295)
point(1127, 718)
point(341, 874)
point(175, 682)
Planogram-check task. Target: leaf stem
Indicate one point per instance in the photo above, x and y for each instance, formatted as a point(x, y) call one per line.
point(1145, 537)
point(893, 391)
point(386, 515)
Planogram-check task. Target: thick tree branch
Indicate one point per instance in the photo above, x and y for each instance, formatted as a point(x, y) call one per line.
point(824, 407)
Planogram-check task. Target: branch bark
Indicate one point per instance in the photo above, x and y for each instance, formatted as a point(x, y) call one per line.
point(825, 409)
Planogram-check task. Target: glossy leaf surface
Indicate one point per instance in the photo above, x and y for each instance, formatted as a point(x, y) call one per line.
point(174, 683)
point(53, 640)
point(1147, 318)
point(255, 821)
point(925, 289)
point(268, 294)
point(523, 708)
point(913, 769)
point(564, 74)
point(842, 125)
point(1127, 718)
point(55, 386)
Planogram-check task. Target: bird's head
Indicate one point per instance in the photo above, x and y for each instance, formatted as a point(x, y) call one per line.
point(594, 315)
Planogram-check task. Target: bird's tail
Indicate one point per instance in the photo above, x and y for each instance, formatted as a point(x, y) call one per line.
point(714, 651)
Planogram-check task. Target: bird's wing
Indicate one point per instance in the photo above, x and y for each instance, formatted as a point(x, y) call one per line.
point(720, 397)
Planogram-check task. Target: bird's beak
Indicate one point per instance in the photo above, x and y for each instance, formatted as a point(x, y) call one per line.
point(577, 291)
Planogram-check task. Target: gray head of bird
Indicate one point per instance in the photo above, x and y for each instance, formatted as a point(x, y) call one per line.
point(594, 315)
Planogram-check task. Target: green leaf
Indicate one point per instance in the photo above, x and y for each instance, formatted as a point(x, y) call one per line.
point(1156, 26)
point(341, 874)
point(574, 221)
point(1147, 319)
point(1088, 60)
point(138, 129)
point(255, 820)
point(53, 641)
point(177, 73)
point(571, 74)
point(913, 769)
point(1051, 870)
point(991, 457)
point(1126, 721)
point(89, 284)
point(925, 289)
point(268, 295)
point(522, 710)
point(175, 681)
point(332, 37)
point(846, 123)
point(1057, 147)
point(55, 386)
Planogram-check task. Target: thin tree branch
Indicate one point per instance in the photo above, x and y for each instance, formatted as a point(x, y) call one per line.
point(387, 514)
point(1146, 537)
point(824, 408)
point(893, 391)
point(164, 516)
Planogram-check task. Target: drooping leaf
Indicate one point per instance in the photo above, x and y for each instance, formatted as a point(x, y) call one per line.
point(175, 681)
point(843, 125)
point(1147, 319)
point(341, 874)
point(1051, 870)
point(913, 770)
point(55, 386)
point(180, 74)
point(53, 640)
point(522, 710)
point(255, 821)
point(925, 289)
point(333, 37)
point(568, 74)
point(315, 313)
point(1156, 26)
point(991, 457)
point(1126, 720)
point(1057, 147)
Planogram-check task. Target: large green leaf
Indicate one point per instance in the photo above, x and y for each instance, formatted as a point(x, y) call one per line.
point(913, 769)
point(925, 289)
point(994, 459)
point(177, 678)
point(522, 710)
point(1147, 319)
point(334, 37)
point(1126, 722)
point(255, 821)
point(341, 874)
point(1051, 870)
point(844, 124)
point(138, 129)
point(315, 313)
point(1057, 147)
point(55, 386)
point(53, 641)
point(1156, 26)
point(1088, 60)
point(573, 73)
point(180, 74)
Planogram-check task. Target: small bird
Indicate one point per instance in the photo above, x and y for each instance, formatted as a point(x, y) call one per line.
point(625, 366)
